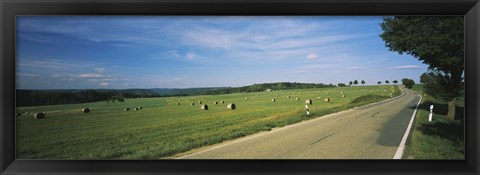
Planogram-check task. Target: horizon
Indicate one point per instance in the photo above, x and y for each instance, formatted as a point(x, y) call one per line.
point(176, 52)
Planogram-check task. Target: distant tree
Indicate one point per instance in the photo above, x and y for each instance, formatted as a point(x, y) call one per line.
point(355, 82)
point(379, 82)
point(395, 82)
point(363, 82)
point(350, 83)
point(408, 83)
point(386, 82)
point(436, 41)
point(341, 85)
point(424, 78)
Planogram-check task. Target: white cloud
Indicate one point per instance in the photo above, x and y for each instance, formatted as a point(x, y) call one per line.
point(191, 56)
point(88, 76)
point(103, 84)
point(407, 67)
point(100, 70)
point(312, 56)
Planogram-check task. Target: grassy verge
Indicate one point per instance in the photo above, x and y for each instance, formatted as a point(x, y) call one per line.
point(440, 139)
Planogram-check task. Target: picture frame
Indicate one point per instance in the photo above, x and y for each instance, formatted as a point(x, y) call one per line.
point(9, 9)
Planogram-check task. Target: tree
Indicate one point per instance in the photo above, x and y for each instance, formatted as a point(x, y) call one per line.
point(436, 41)
point(424, 78)
point(350, 83)
point(386, 82)
point(355, 82)
point(379, 82)
point(395, 82)
point(363, 82)
point(408, 83)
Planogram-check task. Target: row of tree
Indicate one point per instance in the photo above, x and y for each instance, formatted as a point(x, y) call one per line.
point(265, 86)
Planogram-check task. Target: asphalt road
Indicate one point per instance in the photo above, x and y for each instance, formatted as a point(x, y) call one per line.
point(369, 132)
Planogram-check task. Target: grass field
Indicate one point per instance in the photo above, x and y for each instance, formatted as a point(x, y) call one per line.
point(440, 139)
point(163, 128)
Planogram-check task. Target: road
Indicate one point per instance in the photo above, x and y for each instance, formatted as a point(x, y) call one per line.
point(368, 132)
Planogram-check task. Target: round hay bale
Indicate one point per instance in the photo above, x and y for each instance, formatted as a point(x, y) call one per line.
point(327, 99)
point(204, 107)
point(126, 109)
point(136, 109)
point(178, 103)
point(308, 101)
point(86, 110)
point(343, 96)
point(222, 102)
point(294, 93)
point(140, 107)
point(27, 113)
point(277, 95)
point(19, 114)
point(199, 102)
point(215, 103)
point(246, 98)
point(193, 104)
point(288, 96)
point(258, 95)
point(297, 98)
point(231, 106)
point(273, 100)
point(341, 92)
point(319, 98)
point(39, 115)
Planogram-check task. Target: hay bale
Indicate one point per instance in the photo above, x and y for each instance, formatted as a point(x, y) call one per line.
point(288, 96)
point(231, 106)
point(246, 98)
point(178, 103)
point(27, 113)
point(341, 92)
point(126, 109)
point(308, 101)
point(193, 104)
point(199, 102)
point(343, 96)
point(222, 102)
point(204, 107)
point(327, 99)
point(136, 109)
point(273, 100)
point(297, 98)
point(86, 110)
point(215, 103)
point(319, 98)
point(140, 107)
point(258, 95)
point(294, 93)
point(39, 115)
point(277, 95)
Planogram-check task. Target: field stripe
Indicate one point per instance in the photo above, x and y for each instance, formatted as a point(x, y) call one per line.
point(401, 147)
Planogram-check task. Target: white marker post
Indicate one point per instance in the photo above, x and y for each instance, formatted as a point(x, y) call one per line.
point(430, 115)
point(306, 108)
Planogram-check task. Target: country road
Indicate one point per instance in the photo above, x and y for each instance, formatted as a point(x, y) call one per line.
point(368, 132)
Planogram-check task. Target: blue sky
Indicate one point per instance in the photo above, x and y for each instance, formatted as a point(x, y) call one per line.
point(120, 52)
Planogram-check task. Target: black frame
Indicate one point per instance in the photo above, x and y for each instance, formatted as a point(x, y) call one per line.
point(10, 8)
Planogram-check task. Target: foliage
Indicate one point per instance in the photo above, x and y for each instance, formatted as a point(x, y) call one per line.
point(386, 81)
point(395, 81)
point(355, 82)
point(435, 40)
point(363, 82)
point(379, 82)
point(408, 83)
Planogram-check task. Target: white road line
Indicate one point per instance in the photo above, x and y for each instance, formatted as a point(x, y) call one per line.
point(401, 147)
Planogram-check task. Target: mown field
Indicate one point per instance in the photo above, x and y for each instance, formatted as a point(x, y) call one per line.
point(442, 138)
point(163, 128)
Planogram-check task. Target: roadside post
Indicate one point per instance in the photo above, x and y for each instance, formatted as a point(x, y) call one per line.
point(430, 115)
point(306, 109)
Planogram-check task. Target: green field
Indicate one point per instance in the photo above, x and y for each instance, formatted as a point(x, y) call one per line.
point(163, 128)
point(442, 138)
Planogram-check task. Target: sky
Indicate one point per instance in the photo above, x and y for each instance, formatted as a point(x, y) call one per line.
point(122, 52)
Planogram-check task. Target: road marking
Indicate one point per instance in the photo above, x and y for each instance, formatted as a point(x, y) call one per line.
point(401, 147)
